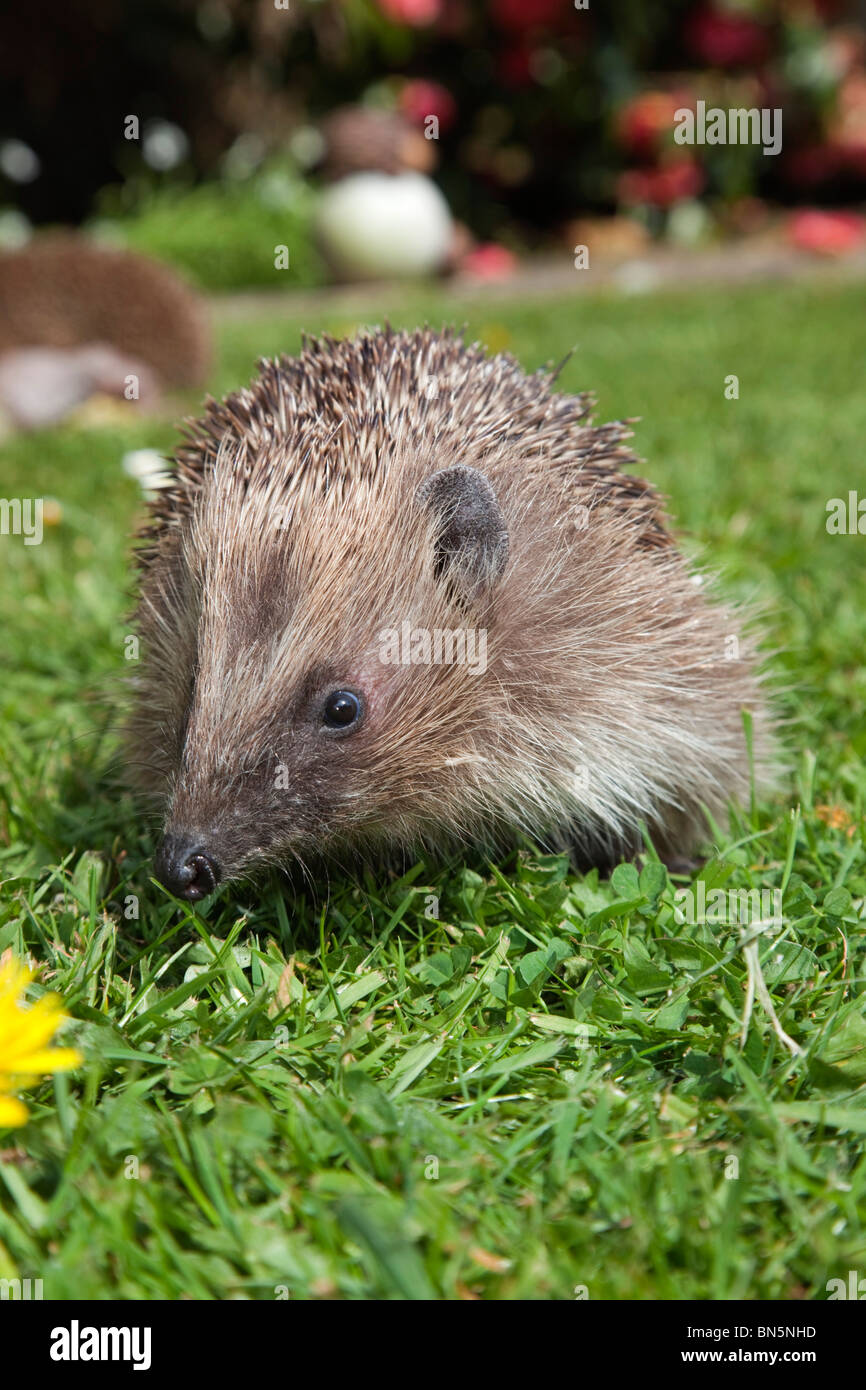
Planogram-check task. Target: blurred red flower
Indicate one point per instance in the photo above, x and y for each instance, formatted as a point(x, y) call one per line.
point(726, 40)
point(414, 12)
point(489, 262)
point(420, 99)
point(826, 233)
point(645, 121)
point(454, 19)
point(854, 159)
point(811, 165)
point(662, 187)
point(519, 15)
point(515, 66)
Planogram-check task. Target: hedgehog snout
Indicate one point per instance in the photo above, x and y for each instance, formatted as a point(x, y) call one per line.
point(185, 869)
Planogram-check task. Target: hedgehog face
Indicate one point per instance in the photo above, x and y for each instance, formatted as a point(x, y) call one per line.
point(319, 726)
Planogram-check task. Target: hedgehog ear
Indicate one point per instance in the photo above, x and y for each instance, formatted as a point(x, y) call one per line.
point(472, 538)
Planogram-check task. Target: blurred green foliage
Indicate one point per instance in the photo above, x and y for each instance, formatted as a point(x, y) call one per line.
point(222, 235)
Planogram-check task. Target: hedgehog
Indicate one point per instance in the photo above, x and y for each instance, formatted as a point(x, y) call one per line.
point(400, 597)
point(357, 139)
point(62, 291)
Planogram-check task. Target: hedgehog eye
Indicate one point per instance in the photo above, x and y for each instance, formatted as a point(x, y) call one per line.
point(343, 708)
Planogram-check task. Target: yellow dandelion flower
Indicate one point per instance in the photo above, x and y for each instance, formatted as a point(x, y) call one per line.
point(24, 1037)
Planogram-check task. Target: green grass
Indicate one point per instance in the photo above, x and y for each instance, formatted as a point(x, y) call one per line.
point(540, 1085)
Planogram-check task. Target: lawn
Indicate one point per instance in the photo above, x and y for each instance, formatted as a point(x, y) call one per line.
point(496, 1081)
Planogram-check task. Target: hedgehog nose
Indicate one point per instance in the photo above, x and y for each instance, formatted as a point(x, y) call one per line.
point(184, 869)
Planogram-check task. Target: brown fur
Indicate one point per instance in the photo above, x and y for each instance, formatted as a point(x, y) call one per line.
point(294, 535)
point(358, 138)
point(61, 291)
